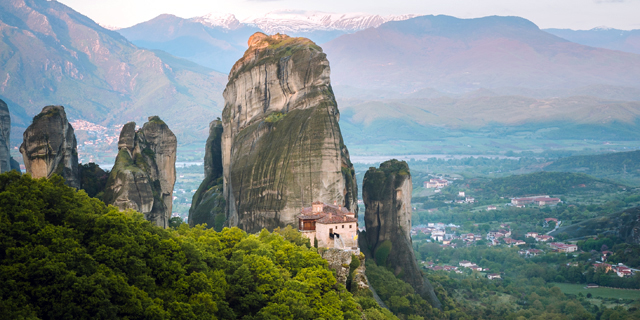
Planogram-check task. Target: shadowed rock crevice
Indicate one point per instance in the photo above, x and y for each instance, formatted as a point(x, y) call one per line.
point(386, 192)
point(282, 147)
point(144, 173)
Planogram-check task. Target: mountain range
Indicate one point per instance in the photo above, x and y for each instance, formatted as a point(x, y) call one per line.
point(218, 40)
point(462, 55)
point(608, 38)
point(52, 55)
point(414, 75)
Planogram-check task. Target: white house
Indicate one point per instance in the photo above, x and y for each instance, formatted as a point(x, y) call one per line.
point(331, 225)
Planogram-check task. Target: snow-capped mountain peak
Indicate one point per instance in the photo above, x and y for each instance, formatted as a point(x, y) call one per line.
point(223, 20)
point(291, 21)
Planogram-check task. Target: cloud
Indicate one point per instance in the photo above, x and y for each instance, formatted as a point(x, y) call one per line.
point(609, 1)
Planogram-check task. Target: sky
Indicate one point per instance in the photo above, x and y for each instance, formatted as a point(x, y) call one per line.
point(571, 14)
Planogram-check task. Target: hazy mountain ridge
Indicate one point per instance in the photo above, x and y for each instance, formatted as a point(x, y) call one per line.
point(214, 42)
point(218, 40)
point(296, 21)
point(461, 55)
point(54, 55)
point(614, 39)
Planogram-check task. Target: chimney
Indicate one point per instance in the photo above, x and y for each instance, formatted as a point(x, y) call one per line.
point(335, 202)
point(344, 218)
point(330, 215)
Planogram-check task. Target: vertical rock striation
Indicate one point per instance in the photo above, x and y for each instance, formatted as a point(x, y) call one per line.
point(208, 203)
point(6, 162)
point(282, 147)
point(50, 146)
point(144, 173)
point(387, 198)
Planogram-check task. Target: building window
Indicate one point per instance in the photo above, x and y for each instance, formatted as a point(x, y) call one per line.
point(350, 226)
point(343, 226)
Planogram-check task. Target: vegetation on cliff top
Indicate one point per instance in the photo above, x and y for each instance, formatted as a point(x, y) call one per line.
point(66, 255)
point(278, 47)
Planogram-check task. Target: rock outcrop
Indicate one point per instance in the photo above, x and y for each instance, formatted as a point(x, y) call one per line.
point(282, 147)
point(629, 229)
point(208, 204)
point(144, 173)
point(387, 198)
point(50, 146)
point(6, 161)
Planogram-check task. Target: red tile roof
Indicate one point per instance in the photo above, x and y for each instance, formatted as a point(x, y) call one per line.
point(338, 214)
point(336, 219)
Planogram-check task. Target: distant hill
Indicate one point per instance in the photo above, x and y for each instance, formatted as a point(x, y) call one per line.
point(217, 46)
point(624, 224)
point(621, 166)
point(486, 113)
point(218, 41)
point(549, 183)
point(51, 54)
point(614, 39)
point(461, 55)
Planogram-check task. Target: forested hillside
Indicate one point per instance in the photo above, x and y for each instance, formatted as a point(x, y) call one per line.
point(64, 255)
point(540, 183)
point(621, 166)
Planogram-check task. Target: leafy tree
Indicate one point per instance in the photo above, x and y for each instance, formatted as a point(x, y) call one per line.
point(64, 255)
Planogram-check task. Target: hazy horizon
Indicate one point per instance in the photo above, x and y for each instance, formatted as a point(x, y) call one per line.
point(570, 14)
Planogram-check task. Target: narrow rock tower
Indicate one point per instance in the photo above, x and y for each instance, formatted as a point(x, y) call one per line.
point(144, 173)
point(282, 147)
point(6, 161)
point(208, 203)
point(387, 198)
point(50, 146)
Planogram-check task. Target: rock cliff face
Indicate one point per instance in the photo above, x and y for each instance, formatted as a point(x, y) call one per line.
point(208, 205)
point(281, 145)
point(630, 226)
point(387, 198)
point(6, 161)
point(50, 146)
point(144, 173)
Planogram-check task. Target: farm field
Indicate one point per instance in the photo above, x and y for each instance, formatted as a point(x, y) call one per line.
point(568, 288)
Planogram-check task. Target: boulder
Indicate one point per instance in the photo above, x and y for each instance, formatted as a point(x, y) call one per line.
point(144, 173)
point(386, 192)
point(282, 147)
point(50, 146)
point(339, 261)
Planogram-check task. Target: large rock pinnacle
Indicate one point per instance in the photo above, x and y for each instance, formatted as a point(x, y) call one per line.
point(281, 145)
point(50, 146)
point(144, 173)
point(387, 198)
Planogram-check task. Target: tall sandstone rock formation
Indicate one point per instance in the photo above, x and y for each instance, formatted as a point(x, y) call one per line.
point(50, 146)
point(282, 147)
point(144, 173)
point(6, 161)
point(387, 198)
point(208, 204)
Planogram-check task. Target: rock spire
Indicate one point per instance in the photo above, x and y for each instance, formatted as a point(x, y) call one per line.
point(208, 203)
point(50, 146)
point(282, 147)
point(144, 173)
point(6, 161)
point(386, 192)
